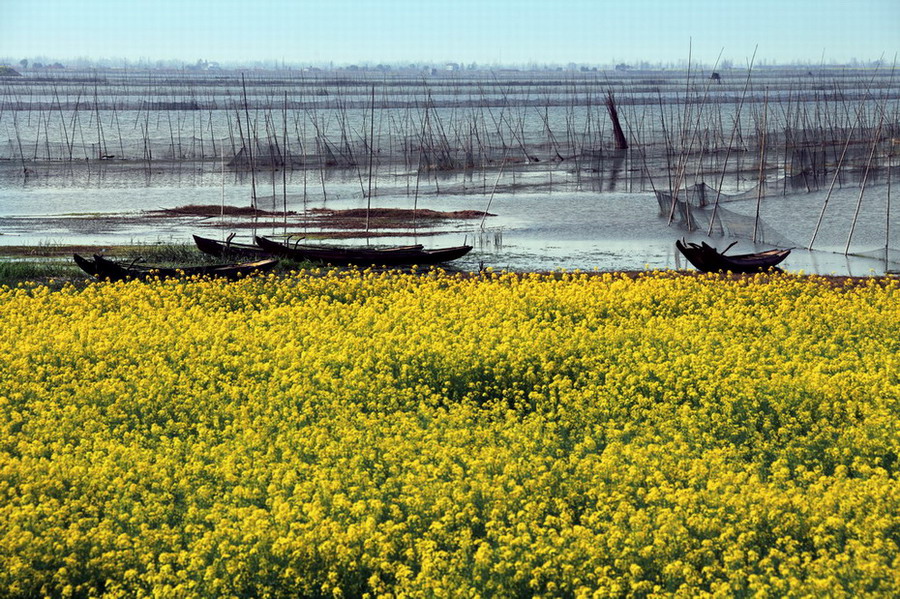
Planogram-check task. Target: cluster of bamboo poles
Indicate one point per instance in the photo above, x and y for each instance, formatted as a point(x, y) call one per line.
point(679, 128)
point(812, 147)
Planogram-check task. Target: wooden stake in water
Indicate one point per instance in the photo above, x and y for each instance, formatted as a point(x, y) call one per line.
point(621, 142)
point(371, 156)
point(249, 147)
point(837, 171)
point(762, 165)
point(887, 227)
point(284, 159)
point(101, 151)
point(862, 187)
point(734, 129)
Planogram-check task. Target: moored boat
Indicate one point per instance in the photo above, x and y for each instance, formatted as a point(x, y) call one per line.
point(86, 264)
point(397, 256)
point(228, 248)
point(706, 258)
point(106, 269)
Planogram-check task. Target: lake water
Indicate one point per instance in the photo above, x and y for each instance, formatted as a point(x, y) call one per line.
point(535, 149)
point(531, 230)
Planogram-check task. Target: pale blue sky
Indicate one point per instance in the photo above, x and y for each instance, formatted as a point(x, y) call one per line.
point(482, 31)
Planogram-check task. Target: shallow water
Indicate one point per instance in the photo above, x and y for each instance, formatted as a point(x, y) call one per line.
point(531, 230)
point(537, 146)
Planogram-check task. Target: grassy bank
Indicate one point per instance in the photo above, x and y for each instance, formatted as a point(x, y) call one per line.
point(53, 265)
point(502, 435)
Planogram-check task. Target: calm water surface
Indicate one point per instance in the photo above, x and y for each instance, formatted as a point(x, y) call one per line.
point(537, 230)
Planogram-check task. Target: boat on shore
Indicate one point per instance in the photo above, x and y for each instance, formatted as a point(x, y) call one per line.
point(395, 256)
point(229, 249)
point(109, 270)
point(706, 258)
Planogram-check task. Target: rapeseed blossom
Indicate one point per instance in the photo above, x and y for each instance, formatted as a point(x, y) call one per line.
point(383, 434)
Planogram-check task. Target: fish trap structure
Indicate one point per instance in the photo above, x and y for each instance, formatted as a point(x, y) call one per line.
point(698, 208)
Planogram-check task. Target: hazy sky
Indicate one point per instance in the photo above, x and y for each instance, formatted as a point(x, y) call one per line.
point(464, 31)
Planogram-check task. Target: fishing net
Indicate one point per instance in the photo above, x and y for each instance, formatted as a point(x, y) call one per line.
point(699, 208)
point(855, 214)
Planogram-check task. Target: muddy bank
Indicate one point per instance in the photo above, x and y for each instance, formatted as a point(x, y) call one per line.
point(332, 223)
point(317, 223)
point(347, 219)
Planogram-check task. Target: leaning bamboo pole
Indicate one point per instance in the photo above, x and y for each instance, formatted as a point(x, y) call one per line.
point(837, 171)
point(37, 139)
point(762, 166)
point(249, 147)
point(887, 211)
point(862, 187)
point(618, 134)
point(687, 146)
point(371, 157)
point(19, 143)
point(734, 130)
point(284, 160)
point(101, 151)
point(62, 122)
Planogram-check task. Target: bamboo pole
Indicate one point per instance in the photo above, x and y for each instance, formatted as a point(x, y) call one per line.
point(734, 129)
point(371, 156)
point(762, 165)
point(862, 187)
point(249, 147)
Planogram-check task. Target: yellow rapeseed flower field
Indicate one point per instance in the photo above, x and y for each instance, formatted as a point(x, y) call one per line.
point(429, 435)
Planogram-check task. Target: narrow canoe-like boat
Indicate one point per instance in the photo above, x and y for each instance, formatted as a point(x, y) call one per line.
point(708, 259)
point(103, 268)
point(397, 256)
point(229, 249)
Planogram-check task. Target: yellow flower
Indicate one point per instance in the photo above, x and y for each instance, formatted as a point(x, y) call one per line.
point(433, 434)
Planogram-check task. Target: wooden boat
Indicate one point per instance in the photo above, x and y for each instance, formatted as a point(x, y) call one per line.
point(88, 266)
point(229, 249)
point(708, 259)
point(397, 256)
point(103, 268)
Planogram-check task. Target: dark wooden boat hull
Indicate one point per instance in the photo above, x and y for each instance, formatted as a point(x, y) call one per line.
point(228, 249)
point(402, 256)
point(105, 269)
point(85, 264)
point(706, 258)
